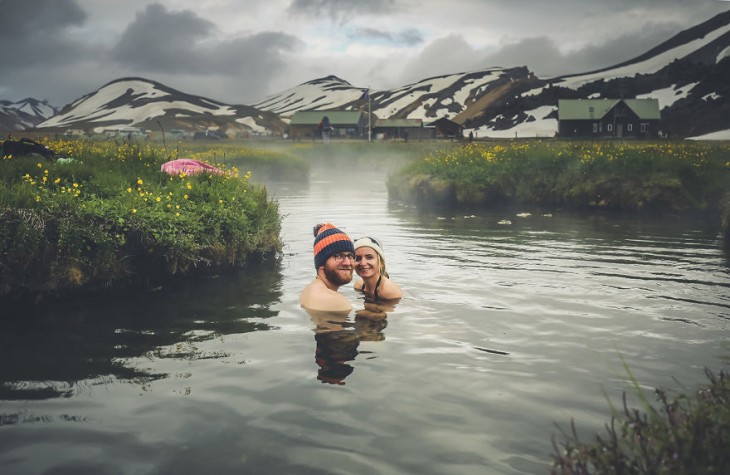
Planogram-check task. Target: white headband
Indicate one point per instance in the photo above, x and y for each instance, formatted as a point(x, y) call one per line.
point(370, 242)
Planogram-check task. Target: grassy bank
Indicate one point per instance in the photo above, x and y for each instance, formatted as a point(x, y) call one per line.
point(581, 175)
point(687, 434)
point(106, 216)
point(266, 163)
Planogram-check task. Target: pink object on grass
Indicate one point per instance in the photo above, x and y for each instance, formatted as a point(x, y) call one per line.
point(188, 166)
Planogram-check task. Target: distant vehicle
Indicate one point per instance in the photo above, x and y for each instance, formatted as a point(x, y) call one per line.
point(210, 135)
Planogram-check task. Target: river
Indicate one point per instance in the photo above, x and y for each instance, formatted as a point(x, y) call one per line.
point(513, 321)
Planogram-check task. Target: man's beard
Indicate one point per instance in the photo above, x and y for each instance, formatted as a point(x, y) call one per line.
point(333, 275)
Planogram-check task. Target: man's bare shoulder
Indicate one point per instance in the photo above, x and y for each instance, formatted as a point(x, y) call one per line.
point(318, 297)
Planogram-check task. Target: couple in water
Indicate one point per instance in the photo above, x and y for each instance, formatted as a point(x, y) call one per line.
point(336, 256)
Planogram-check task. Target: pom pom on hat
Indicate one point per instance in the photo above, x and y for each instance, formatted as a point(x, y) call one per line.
point(370, 242)
point(329, 240)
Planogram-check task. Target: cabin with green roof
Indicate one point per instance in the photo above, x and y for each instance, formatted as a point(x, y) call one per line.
point(304, 124)
point(402, 129)
point(609, 118)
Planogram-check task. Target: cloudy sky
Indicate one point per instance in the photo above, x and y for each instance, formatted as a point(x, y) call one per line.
point(239, 52)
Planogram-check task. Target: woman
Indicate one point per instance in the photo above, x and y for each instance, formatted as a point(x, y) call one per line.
point(370, 266)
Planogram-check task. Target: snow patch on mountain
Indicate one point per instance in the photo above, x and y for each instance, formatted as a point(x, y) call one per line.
point(251, 124)
point(719, 135)
point(138, 100)
point(321, 94)
point(538, 124)
point(722, 54)
point(648, 66)
point(669, 95)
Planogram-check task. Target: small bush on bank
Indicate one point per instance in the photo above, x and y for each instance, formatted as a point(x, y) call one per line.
point(625, 176)
point(106, 216)
point(687, 435)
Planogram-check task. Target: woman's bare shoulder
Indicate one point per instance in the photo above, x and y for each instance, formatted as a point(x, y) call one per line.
point(390, 290)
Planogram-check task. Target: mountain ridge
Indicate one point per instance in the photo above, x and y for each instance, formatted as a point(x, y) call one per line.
point(686, 72)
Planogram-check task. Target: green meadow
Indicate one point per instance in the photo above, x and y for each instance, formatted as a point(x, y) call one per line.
point(627, 176)
point(104, 216)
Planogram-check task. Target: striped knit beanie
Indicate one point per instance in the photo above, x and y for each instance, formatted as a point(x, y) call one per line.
point(329, 240)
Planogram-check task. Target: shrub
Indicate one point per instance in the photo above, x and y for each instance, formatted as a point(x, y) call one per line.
point(685, 436)
point(107, 216)
point(626, 176)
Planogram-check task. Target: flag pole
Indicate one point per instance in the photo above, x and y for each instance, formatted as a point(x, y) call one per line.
point(370, 114)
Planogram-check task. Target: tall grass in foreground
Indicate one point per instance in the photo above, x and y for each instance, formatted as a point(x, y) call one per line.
point(618, 175)
point(686, 435)
point(108, 216)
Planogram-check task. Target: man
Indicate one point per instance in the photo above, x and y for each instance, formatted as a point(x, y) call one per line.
point(334, 258)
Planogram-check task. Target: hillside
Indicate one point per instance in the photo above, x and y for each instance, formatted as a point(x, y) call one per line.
point(23, 115)
point(687, 74)
point(136, 102)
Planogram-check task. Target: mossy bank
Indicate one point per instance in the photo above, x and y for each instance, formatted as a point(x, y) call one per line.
point(104, 216)
point(626, 176)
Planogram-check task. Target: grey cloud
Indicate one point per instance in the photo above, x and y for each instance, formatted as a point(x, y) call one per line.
point(370, 33)
point(159, 40)
point(543, 56)
point(340, 10)
point(35, 31)
point(31, 17)
point(409, 37)
point(256, 56)
point(540, 54)
point(450, 54)
point(180, 45)
point(620, 49)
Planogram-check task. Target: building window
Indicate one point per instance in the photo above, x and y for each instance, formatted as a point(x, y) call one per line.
point(620, 112)
point(609, 127)
point(644, 127)
point(595, 127)
point(630, 127)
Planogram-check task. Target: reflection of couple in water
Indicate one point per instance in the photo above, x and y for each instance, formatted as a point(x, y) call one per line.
point(335, 258)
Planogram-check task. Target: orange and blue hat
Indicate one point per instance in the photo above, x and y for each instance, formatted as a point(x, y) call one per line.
point(329, 240)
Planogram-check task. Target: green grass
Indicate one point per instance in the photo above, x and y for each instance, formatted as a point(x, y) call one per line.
point(615, 175)
point(265, 162)
point(109, 217)
point(686, 435)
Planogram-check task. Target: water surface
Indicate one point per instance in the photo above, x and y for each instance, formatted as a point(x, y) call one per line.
point(511, 323)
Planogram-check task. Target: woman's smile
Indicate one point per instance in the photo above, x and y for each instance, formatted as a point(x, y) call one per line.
point(366, 262)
